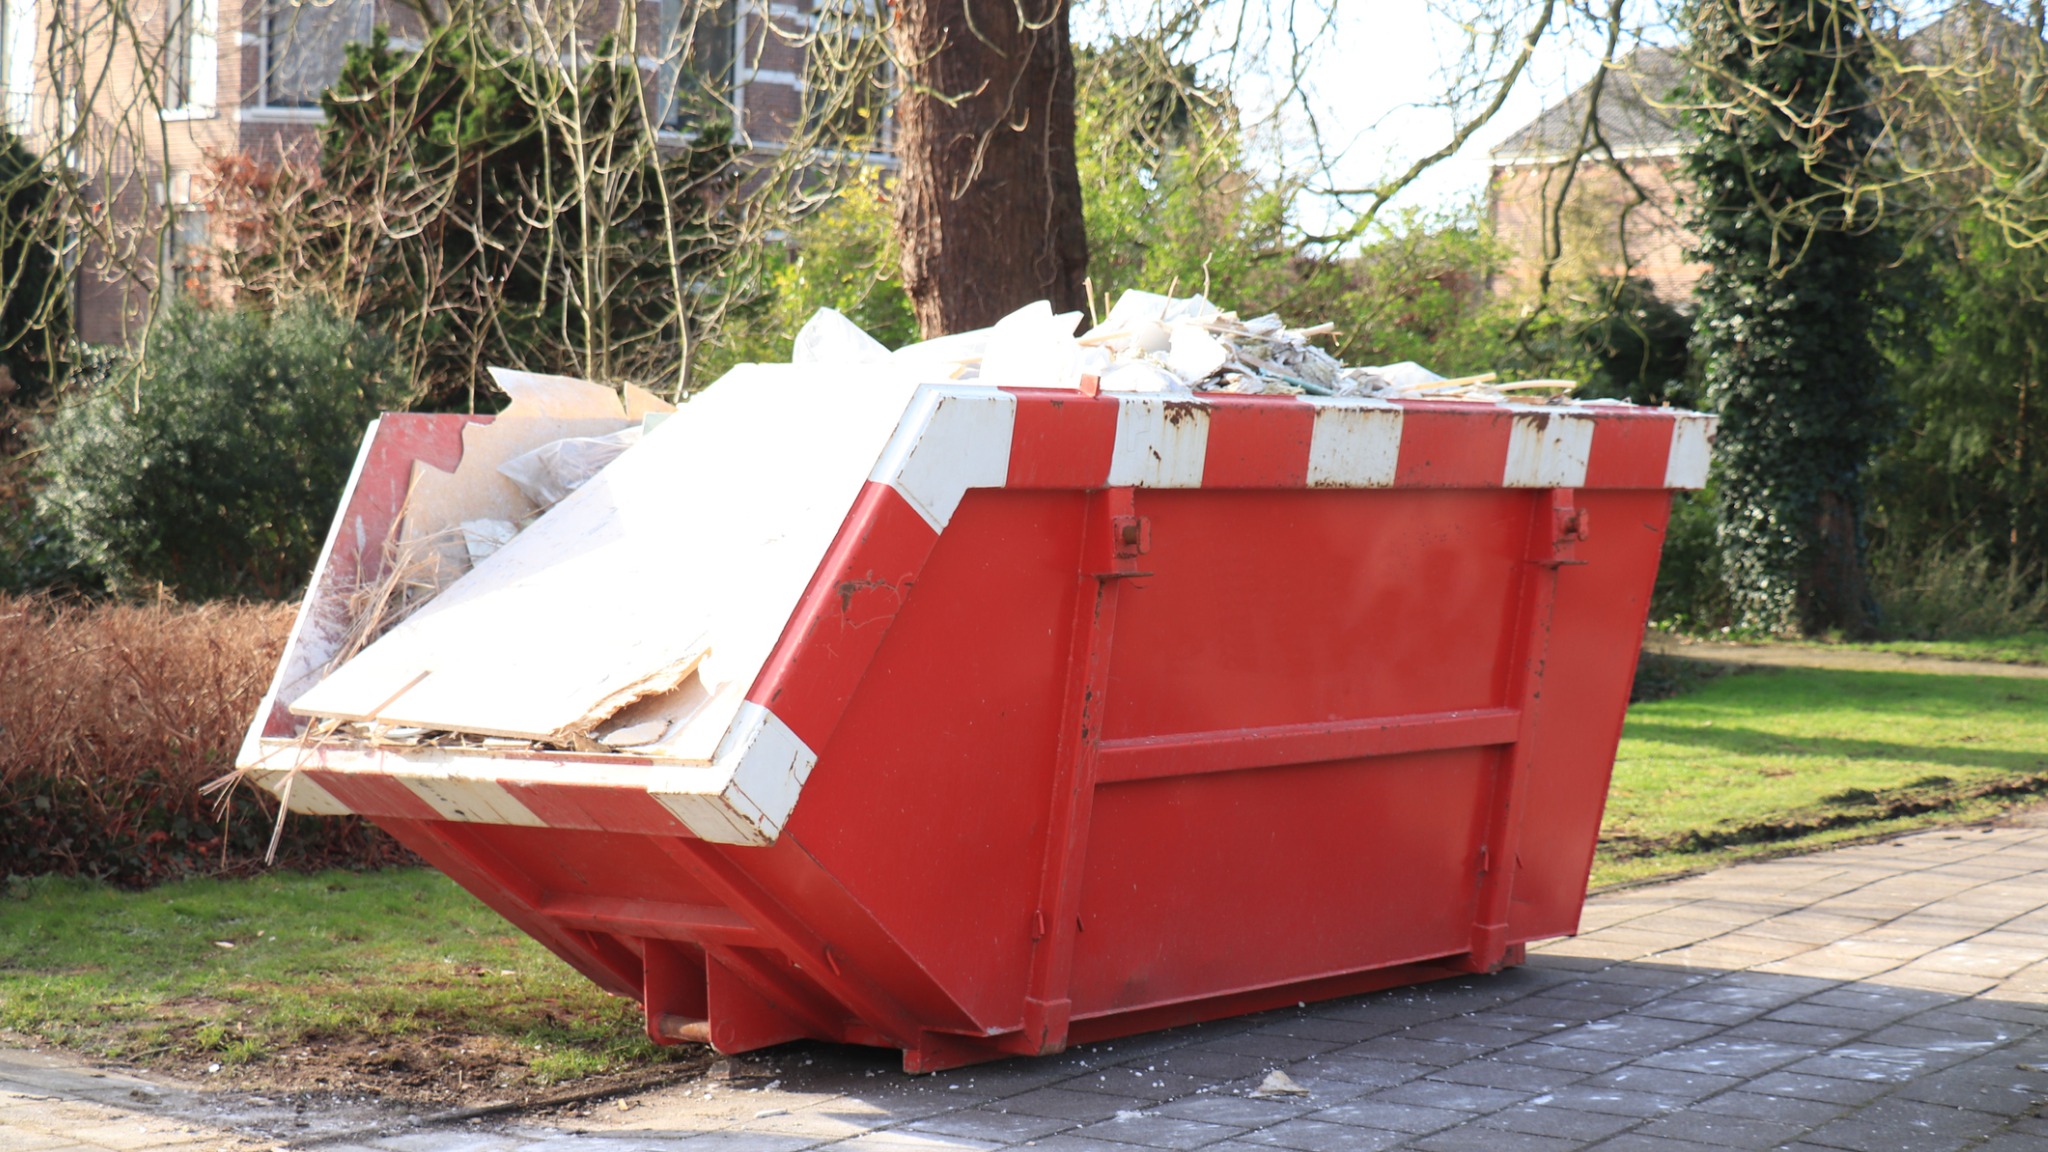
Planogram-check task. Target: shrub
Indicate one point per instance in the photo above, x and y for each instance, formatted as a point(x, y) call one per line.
point(211, 465)
point(1950, 593)
point(113, 717)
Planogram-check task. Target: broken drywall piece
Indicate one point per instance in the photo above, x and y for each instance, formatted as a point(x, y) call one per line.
point(829, 338)
point(605, 603)
point(640, 403)
point(1033, 347)
point(1277, 1084)
point(543, 409)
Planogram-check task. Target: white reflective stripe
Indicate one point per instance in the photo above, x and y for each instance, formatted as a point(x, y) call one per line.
point(1161, 442)
point(305, 797)
point(1354, 445)
point(1548, 451)
point(950, 440)
point(760, 770)
point(1692, 441)
point(710, 817)
point(471, 800)
point(769, 766)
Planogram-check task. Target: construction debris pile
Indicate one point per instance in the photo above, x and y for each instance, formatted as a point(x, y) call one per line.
point(1154, 343)
point(491, 620)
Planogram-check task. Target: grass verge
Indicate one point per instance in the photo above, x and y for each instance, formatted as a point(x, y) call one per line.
point(394, 981)
point(400, 983)
point(1796, 759)
point(2026, 648)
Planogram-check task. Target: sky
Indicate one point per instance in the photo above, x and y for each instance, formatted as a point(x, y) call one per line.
point(1370, 81)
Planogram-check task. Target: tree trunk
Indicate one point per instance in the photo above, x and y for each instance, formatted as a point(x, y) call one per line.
point(988, 201)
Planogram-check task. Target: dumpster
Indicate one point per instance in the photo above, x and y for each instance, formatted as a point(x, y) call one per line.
point(995, 720)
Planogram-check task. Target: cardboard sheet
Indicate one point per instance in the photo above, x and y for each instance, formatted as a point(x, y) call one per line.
point(700, 540)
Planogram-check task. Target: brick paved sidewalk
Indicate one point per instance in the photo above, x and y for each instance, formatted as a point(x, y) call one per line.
point(1883, 997)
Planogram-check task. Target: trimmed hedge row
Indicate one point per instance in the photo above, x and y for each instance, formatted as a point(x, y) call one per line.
point(112, 717)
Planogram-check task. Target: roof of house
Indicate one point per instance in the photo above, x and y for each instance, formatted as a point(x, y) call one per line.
point(1636, 112)
point(1639, 110)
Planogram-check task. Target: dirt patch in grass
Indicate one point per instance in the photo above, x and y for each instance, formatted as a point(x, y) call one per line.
point(434, 1069)
point(1855, 808)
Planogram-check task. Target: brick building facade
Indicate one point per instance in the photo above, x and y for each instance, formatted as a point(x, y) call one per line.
point(1610, 223)
point(140, 115)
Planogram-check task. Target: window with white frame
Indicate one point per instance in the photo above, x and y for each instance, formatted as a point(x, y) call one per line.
point(303, 45)
point(191, 56)
point(698, 38)
point(17, 63)
point(188, 249)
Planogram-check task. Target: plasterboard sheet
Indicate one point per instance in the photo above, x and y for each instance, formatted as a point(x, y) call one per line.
point(703, 536)
point(543, 409)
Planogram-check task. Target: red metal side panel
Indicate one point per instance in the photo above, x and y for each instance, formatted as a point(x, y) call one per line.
point(1292, 607)
point(1212, 884)
point(929, 802)
point(1602, 606)
point(1451, 445)
point(1255, 443)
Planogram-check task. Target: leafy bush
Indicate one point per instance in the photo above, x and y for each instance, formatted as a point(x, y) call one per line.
point(212, 462)
point(115, 714)
point(843, 256)
point(1691, 593)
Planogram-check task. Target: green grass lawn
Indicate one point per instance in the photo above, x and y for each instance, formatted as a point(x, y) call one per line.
point(392, 966)
point(1757, 763)
point(2026, 648)
point(339, 971)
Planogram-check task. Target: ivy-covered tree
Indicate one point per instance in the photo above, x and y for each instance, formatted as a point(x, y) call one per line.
point(1783, 130)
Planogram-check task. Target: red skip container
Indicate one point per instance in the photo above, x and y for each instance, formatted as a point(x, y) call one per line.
point(1097, 715)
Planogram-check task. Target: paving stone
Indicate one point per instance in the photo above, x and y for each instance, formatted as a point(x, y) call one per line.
point(1611, 1101)
point(1390, 1116)
point(1261, 1045)
point(1320, 1136)
point(1472, 1138)
point(1148, 1082)
point(1583, 1061)
point(1431, 1093)
point(1543, 1119)
point(1727, 1057)
point(992, 1124)
point(1336, 1031)
point(1723, 1131)
point(1067, 1104)
point(731, 1141)
point(1214, 1065)
point(1636, 1142)
point(895, 1140)
point(1763, 1106)
point(1069, 1142)
point(1237, 1110)
point(1662, 1081)
point(1527, 1079)
point(1799, 1086)
point(1155, 1131)
point(1926, 1129)
point(1631, 1035)
point(1698, 1011)
point(1369, 1072)
point(1400, 1049)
